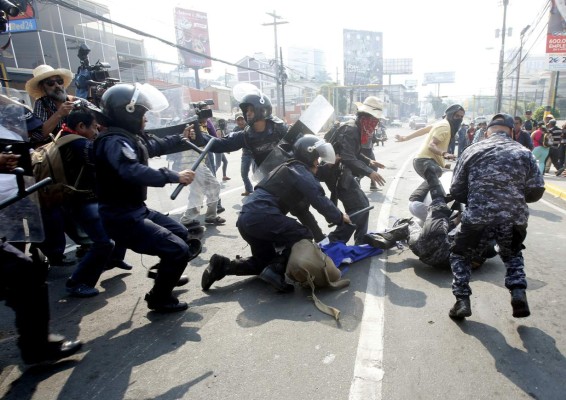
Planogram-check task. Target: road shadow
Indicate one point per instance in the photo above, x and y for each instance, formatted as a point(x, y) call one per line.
point(262, 304)
point(540, 371)
point(547, 215)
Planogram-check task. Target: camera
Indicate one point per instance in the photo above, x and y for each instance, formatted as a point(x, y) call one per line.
point(198, 106)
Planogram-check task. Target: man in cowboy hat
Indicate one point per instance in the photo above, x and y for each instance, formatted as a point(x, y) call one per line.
point(49, 87)
point(349, 138)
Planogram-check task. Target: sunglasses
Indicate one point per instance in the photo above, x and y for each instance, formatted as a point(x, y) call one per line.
point(52, 82)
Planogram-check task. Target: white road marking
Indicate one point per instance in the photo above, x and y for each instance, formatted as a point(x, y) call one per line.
point(555, 208)
point(368, 367)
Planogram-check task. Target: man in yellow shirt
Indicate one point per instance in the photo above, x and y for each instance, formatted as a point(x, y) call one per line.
point(430, 159)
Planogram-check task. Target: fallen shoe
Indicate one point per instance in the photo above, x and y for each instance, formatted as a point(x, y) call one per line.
point(215, 221)
point(246, 193)
point(192, 224)
point(215, 271)
point(54, 351)
point(225, 178)
point(276, 280)
point(172, 304)
point(82, 290)
point(519, 303)
point(118, 264)
point(152, 274)
point(461, 308)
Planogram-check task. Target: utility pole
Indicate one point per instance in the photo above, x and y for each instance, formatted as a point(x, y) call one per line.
point(499, 85)
point(276, 66)
point(525, 29)
point(283, 79)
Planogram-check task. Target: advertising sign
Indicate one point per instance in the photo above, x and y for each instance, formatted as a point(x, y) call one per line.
point(398, 66)
point(191, 29)
point(24, 21)
point(439, 77)
point(363, 57)
point(556, 37)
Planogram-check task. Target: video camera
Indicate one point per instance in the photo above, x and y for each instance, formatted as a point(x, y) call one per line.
point(7, 9)
point(200, 113)
point(93, 79)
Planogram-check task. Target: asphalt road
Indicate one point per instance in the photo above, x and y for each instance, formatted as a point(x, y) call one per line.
point(241, 340)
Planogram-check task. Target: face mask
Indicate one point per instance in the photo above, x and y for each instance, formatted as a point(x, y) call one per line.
point(367, 126)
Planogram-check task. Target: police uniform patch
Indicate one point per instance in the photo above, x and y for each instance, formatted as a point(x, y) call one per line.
point(128, 152)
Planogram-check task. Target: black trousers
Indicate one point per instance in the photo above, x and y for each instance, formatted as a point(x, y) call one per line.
point(25, 291)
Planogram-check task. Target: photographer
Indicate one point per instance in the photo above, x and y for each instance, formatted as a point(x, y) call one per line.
point(49, 87)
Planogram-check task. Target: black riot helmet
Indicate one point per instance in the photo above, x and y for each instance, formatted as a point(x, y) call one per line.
point(260, 103)
point(125, 105)
point(310, 147)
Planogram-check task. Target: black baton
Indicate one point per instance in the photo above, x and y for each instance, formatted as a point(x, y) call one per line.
point(22, 190)
point(203, 154)
point(363, 210)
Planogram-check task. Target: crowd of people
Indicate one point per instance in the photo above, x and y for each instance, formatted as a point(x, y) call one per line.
point(105, 155)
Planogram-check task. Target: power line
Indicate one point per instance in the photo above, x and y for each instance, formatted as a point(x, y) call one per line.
point(96, 16)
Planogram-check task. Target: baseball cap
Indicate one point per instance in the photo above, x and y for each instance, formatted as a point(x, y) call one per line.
point(502, 120)
point(239, 115)
point(549, 116)
point(528, 112)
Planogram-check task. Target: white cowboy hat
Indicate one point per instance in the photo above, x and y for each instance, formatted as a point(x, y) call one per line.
point(372, 106)
point(43, 72)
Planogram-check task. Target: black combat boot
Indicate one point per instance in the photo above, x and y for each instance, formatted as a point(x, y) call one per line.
point(215, 271)
point(519, 303)
point(462, 308)
point(274, 274)
point(162, 304)
point(387, 240)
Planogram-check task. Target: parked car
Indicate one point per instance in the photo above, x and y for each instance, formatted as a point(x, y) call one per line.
point(396, 123)
point(418, 123)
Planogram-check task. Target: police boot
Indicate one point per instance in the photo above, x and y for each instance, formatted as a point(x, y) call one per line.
point(274, 274)
point(152, 274)
point(461, 309)
point(215, 271)
point(387, 240)
point(519, 303)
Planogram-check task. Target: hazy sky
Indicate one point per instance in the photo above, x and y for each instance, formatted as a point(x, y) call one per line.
point(440, 35)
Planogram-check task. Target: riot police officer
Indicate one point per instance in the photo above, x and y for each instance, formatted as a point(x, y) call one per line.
point(263, 133)
point(123, 176)
point(263, 221)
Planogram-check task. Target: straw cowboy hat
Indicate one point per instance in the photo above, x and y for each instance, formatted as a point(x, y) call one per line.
point(372, 106)
point(43, 72)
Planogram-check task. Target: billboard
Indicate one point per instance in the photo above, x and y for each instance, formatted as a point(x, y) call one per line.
point(25, 21)
point(363, 57)
point(191, 29)
point(439, 77)
point(398, 66)
point(556, 37)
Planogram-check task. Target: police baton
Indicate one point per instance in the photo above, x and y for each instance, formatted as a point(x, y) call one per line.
point(22, 190)
point(203, 154)
point(363, 210)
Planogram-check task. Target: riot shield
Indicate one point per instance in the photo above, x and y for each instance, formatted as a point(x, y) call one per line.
point(311, 121)
point(19, 208)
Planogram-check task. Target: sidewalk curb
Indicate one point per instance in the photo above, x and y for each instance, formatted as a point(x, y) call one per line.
point(555, 191)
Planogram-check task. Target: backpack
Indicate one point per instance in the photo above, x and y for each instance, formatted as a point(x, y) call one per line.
point(335, 136)
point(46, 162)
point(310, 267)
point(547, 140)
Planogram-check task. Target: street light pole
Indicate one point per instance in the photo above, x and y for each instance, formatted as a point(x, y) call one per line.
point(276, 66)
point(499, 85)
point(519, 67)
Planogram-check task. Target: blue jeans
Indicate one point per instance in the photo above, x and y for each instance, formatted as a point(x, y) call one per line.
point(92, 265)
point(247, 161)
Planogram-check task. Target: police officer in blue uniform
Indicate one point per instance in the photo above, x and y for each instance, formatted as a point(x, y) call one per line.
point(263, 221)
point(495, 178)
point(263, 133)
point(123, 176)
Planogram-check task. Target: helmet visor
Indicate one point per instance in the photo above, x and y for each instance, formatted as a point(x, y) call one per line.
point(325, 151)
point(147, 96)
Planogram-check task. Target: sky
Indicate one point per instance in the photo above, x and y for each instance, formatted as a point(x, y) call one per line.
point(440, 35)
